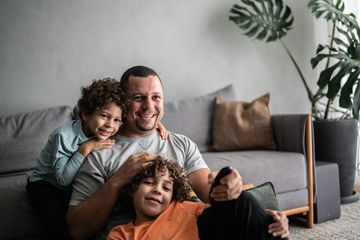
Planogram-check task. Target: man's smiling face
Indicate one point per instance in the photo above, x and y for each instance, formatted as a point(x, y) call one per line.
point(146, 105)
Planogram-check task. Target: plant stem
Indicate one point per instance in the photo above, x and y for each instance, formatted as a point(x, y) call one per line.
point(327, 66)
point(308, 90)
point(327, 109)
point(331, 43)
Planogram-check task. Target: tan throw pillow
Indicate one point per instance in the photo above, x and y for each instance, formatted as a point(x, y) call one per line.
point(243, 125)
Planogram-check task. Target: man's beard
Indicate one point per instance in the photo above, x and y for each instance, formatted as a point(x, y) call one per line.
point(146, 128)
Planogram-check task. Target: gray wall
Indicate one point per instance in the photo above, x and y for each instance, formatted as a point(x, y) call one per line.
point(50, 48)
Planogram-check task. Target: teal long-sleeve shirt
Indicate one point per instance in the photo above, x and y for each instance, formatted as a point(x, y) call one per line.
point(59, 161)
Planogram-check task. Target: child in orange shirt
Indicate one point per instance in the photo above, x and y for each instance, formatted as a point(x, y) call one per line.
point(159, 197)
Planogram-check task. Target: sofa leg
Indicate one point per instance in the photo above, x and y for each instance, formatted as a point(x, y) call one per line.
point(305, 215)
point(310, 169)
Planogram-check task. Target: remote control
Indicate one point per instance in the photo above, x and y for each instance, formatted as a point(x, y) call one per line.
point(222, 173)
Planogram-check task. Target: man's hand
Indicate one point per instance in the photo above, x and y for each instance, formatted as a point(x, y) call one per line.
point(92, 214)
point(230, 186)
point(93, 145)
point(133, 165)
point(281, 226)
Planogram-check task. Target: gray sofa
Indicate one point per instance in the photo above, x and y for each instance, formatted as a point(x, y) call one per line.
point(289, 167)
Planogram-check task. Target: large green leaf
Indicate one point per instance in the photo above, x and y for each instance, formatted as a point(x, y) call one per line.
point(356, 102)
point(343, 75)
point(262, 19)
point(335, 82)
point(347, 89)
point(332, 10)
point(325, 75)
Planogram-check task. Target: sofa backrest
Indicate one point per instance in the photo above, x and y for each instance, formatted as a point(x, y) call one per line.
point(193, 117)
point(24, 135)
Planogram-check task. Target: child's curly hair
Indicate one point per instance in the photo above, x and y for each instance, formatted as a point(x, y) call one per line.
point(100, 93)
point(181, 187)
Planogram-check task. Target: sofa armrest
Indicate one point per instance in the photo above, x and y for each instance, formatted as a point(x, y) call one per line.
point(289, 132)
point(294, 133)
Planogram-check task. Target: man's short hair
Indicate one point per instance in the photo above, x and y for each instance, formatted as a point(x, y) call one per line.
point(136, 71)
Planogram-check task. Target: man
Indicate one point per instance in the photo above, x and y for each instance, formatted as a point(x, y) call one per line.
point(94, 204)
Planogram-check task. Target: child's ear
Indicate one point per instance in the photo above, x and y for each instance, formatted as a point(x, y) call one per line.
point(84, 116)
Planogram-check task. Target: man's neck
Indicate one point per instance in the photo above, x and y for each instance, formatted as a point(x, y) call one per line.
point(126, 132)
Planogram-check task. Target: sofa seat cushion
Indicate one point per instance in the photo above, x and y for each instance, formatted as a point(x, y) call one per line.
point(24, 135)
point(293, 199)
point(18, 218)
point(286, 170)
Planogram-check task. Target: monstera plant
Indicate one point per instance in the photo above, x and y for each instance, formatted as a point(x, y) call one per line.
point(270, 20)
point(343, 76)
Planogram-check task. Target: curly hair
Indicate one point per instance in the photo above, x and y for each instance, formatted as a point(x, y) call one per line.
point(181, 187)
point(100, 93)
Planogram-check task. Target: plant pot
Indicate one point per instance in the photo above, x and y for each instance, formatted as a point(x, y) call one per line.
point(336, 141)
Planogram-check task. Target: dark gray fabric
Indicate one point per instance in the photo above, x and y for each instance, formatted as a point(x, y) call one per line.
point(266, 196)
point(289, 132)
point(292, 199)
point(193, 117)
point(328, 201)
point(24, 135)
point(18, 220)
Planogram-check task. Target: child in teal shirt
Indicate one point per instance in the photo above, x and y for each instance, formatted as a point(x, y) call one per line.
point(101, 108)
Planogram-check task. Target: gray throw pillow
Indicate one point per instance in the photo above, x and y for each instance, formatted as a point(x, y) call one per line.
point(193, 117)
point(265, 194)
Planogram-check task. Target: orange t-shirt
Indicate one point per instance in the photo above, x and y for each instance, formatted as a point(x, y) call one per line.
point(177, 222)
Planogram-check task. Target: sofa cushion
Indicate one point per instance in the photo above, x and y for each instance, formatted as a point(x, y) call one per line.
point(243, 125)
point(286, 170)
point(266, 196)
point(193, 117)
point(18, 220)
point(24, 135)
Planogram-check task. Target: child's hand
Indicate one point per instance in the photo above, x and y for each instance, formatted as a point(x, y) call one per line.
point(163, 132)
point(101, 144)
point(93, 145)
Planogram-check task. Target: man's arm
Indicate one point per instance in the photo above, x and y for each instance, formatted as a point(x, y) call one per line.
point(200, 184)
point(88, 217)
point(91, 215)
